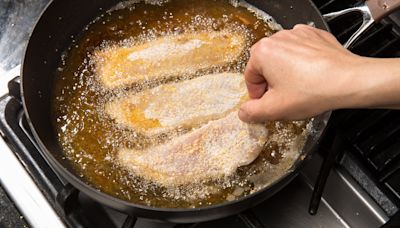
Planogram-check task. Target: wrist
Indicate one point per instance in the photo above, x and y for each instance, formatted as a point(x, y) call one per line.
point(343, 88)
point(371, 83)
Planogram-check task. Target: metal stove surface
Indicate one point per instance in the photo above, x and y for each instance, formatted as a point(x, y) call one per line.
point(344, 203)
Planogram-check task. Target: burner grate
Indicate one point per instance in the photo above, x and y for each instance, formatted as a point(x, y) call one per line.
point(378, 146)
point(382, 39)
point(373, 138)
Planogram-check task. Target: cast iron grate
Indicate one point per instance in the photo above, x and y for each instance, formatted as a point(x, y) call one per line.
point(374, 137)
point(382, 40)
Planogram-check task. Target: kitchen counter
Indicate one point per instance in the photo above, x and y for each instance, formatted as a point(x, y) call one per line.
point(17, 18)
point(9, 215)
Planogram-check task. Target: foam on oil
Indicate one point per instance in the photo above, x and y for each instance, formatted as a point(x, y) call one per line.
point(90, 139)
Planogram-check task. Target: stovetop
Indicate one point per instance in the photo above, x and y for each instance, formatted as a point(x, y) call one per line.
point(358, 191)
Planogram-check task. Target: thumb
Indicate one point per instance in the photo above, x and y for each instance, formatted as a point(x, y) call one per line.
point(257, 110)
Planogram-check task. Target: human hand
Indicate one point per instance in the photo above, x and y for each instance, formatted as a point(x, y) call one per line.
point(296, 74)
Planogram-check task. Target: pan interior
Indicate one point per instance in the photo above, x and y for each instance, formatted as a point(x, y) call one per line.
point(90, 139)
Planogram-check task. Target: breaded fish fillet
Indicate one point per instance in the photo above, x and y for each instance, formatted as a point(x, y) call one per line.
point(184, 104)
point(215, 150)
point(167, 57)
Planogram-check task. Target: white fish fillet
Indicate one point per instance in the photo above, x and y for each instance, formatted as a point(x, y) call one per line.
point(167, 56)
point(179, 105)
point(215, 150)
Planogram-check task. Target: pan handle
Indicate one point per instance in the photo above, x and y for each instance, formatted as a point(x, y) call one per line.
point(372, 11)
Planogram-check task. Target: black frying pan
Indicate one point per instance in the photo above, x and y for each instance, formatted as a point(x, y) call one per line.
point(65, 19)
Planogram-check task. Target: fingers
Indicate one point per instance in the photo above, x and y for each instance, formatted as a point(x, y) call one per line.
point(258, 110)
point(276, 65)
point(252, 111)
point(286, 75)
point(255, 81)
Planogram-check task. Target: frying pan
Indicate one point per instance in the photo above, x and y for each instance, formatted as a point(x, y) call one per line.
point(65, 19)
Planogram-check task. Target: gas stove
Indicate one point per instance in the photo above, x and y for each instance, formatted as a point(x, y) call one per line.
point(359, 158)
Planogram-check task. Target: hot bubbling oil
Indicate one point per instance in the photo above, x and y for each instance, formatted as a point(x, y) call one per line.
point(91, 140)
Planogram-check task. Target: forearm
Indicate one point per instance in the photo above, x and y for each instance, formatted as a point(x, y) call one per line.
point(373, 83)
